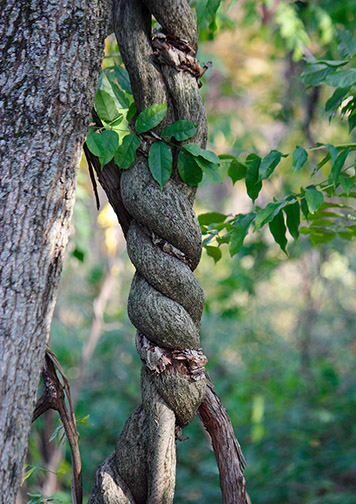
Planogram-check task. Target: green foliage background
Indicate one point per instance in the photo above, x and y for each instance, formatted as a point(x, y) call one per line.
point(279, 331)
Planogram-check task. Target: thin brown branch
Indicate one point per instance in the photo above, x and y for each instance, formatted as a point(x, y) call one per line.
point(88, 349)
point(54, 398)
point(93, 181)
point(109, 178)
point(227, 449)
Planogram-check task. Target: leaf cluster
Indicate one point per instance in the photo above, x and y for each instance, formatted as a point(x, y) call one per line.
point(107, 144)
point(340, 74)
point(325, 218)
point(323, 205)
point(315, 203)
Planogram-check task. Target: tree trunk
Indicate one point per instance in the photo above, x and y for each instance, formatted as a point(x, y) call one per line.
point(164, 244)
point(51, 55)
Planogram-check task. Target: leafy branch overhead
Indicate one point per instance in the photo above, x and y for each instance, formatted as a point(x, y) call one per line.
point(320, 210)
point(323, 204)
point(313, 202)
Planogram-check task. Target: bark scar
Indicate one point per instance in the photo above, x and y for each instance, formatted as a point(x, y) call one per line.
point(175, 52)
point(158, 359)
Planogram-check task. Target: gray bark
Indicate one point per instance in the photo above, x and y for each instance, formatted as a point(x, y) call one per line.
point(51, 53)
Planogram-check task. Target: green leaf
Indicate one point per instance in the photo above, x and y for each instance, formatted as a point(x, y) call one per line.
point(347, 235)
point(105, 82)
point(300, 156)
point(123, 78)
point(120, 96)
point(211, 9)
point(351, 195)
point(323, 161)
point(221, 225)
point(105, 105)
point(62, 439)
point(342, 78)
point(237, 236)
point(223, 239)
point(304, 207)
point(132, 111)
point(318, 235)
point(211, 218)
point(160, 162)
point(278, 230)
point(315, 73)
point(35, 500)
point(78, 254)
point(208, 239)
point(116, 121)
point(196, 151)
point(352, 121)
point(150, 117)
point(91, 142)
point(268, 164)
point(213, 252)
point(180, 130)
point(226, 158)
point(84, 420)
point(333, 63)
point(55, 432)
point(208, 161)
point(188, 169)
point(337, 167)
point(267, 214)
point(28, 474)
point(333, 153)
point(351, 230)
point(253, 185)
point(292, 212)
point(126, 153)
point(349, 107)
point(332, 204)
point(206, 12)
point(314, 198)
point(321, 214)
point(347, 184)
point(347, 44)
point(237, 171)
point(322, 222)
point(210, 156)
point(336, 99)
point(103, 145)
point(109, 142)
point(209, 168)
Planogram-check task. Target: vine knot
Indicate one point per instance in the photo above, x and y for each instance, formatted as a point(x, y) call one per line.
point(177, 53)
point(157, 359)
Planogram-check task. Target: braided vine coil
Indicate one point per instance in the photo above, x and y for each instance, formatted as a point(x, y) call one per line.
point(164, 244)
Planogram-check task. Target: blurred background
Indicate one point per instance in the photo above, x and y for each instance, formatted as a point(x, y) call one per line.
point(279, 331)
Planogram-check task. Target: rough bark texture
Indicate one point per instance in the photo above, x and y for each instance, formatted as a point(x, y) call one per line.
point(51, 53)
point(164, 244)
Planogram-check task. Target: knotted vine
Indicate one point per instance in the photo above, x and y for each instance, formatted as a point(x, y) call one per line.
point(164, 244)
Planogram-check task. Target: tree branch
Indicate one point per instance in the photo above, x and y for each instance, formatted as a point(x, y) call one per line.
point(228, 453)
point(54, 398)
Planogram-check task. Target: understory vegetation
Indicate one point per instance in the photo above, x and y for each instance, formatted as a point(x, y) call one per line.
point(276, 208)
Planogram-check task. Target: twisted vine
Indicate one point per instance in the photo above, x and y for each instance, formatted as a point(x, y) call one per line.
point(164, 244)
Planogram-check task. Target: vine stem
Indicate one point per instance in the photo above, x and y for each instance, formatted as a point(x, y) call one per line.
point(352, 146)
